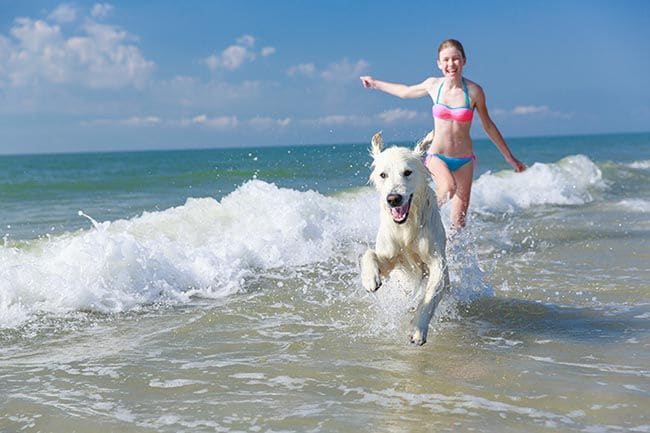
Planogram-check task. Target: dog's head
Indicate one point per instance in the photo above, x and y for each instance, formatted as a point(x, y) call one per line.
point(399, 175)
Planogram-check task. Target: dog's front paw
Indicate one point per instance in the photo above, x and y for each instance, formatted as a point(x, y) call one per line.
point(371, 281)
point(418, 337)
point(370, 278)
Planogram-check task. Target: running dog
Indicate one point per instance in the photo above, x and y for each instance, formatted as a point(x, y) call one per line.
point(411, 235)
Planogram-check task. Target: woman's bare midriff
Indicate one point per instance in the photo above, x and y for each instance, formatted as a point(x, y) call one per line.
point(451, 139)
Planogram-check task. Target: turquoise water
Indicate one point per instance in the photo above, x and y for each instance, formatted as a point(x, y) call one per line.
point(123, 185)
point(217, 290)
point(112, 186)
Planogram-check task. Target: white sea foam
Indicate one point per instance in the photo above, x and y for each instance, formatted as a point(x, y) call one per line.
point(635, 205)
point(454, 404)
point(570, 181)
point(204, 248)
point(640, 165)
point(209, 248)
point(174, 383)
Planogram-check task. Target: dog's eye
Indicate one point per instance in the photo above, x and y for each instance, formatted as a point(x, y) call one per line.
point(383, 175)
point(407, 173)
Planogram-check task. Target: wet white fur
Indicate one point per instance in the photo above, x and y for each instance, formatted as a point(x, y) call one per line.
point(418, 245)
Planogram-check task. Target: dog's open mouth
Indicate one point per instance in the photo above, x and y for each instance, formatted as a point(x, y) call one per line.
point(401, 213)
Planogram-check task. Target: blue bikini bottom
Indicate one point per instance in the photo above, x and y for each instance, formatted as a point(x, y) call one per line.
point(453, 163)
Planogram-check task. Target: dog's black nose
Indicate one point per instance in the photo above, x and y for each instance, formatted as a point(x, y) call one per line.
point(394, 200)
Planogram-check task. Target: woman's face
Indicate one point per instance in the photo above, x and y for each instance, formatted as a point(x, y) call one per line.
point(451, 62)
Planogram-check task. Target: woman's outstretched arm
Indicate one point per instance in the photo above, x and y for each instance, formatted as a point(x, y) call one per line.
point(399, 90)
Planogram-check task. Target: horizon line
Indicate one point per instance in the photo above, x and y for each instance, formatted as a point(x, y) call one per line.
point(348, 143)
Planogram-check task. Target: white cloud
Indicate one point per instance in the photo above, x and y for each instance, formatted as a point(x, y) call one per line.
point(532, 111)
point(341, 71)
point(234, 56)
point(131, 121)
point(101, 57)
point(197, 120)
point(340, 120)
point(232, 122)
point(212, 61)
point(267, 51)
point(222, 122)
point(268, 122)
point(386, 117)
point(34, 37)
point(63, 14)
point(307, 69)
point(397, 115)
point(345, 71)
point(246, 41)
point(101, 10)
point(108, 58)
point(201, 120)
point(143, 121)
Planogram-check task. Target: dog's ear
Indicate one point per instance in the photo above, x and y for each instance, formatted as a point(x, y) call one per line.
point(424, 143)
point(377, 144)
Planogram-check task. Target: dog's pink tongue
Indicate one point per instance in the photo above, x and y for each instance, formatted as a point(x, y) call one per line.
point(399, 213)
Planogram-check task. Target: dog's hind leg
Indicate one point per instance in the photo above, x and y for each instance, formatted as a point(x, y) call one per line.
point(437, 284)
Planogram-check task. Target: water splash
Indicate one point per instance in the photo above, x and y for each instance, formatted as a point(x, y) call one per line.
point(211, 249)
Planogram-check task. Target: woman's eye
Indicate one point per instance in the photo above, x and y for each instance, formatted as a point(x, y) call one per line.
point(407, 173)
point(383, 175)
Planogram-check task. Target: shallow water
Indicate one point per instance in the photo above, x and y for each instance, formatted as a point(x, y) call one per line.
point(244, 312)
point(296, 361)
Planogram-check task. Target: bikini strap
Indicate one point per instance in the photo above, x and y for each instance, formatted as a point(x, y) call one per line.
point(439, 89)
point(464, 90)
point(466, 93)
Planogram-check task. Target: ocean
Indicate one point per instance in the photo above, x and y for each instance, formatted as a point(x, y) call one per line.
point(218, 291)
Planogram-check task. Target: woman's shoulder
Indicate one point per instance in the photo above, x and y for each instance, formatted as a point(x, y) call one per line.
point(474, 89)
point(430, 82)
point(472, 85)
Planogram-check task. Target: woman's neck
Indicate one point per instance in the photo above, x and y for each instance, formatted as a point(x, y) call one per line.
point(455, 82)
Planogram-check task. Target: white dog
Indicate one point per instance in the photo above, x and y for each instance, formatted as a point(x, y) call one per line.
point(411, 234)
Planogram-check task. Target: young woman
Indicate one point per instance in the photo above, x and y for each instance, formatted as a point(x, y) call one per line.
point(450, 158)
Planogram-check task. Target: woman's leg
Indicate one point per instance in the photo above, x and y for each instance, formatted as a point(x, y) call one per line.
point(460, 201)
point(444, 180)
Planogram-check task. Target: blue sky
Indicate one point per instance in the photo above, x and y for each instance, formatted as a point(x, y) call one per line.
point(133, 75)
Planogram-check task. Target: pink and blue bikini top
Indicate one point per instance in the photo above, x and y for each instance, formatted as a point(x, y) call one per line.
point(459, 114)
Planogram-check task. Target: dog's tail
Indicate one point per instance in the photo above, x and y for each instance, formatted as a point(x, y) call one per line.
point(423, 144)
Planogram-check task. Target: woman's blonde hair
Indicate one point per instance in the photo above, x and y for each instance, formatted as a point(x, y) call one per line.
point(452, 43)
